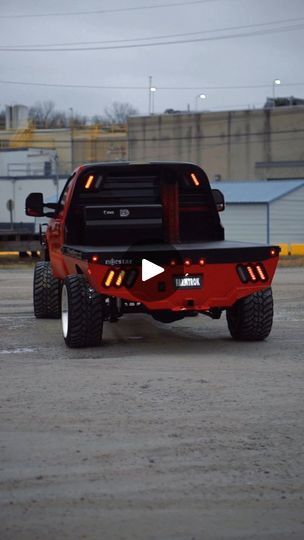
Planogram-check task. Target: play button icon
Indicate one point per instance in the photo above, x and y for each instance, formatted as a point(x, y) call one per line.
point(155, 279)
point(150, 270)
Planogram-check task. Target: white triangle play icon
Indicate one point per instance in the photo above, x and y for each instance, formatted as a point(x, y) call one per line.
point(150, 270)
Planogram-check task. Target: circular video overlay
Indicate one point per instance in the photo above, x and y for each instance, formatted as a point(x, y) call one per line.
point(161, 270)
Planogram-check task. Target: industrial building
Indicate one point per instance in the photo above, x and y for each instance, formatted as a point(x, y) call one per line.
point(42, 160)
point(263, 146)
point(73, 146)
point(23, 170)
point(258, 144)
point(17, 162)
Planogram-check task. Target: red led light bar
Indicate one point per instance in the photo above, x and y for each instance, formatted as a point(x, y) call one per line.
point(252, 272)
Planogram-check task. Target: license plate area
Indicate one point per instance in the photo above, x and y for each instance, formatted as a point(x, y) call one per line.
point(190, 281)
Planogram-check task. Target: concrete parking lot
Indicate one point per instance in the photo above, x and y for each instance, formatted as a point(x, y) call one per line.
point(163, 433)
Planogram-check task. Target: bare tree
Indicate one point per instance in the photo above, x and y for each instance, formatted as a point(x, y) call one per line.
point(45, 115)
point(42, 113)
point(78, 120)
point(118, 113)
point(98, 120)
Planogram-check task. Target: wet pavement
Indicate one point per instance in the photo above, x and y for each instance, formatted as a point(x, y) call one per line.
point(165, 432)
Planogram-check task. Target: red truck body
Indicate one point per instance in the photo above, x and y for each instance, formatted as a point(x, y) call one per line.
point(112, 216)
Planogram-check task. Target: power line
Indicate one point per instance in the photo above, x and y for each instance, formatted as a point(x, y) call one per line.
point(105, 11)
point(62, 85)
point(126, 87)
point(159, 43)
point(226, 136)
point(221, 136)
point(234, 87)
point(162, 36)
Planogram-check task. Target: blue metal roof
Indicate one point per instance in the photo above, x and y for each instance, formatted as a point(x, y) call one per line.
point(257, 191)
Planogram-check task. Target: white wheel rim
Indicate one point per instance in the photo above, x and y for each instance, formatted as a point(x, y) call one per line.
point(64, 311)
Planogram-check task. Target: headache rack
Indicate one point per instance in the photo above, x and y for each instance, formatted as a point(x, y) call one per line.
point(115, 189)
point(114, 207)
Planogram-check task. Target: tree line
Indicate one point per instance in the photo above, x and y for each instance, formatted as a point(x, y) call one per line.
point(45, 115)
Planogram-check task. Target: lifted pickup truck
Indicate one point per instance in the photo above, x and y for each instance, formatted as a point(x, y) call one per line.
point(146, 238)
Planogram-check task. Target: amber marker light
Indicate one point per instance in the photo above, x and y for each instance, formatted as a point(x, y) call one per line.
point(89, 182)
point(130, 278)
point(120, 278)
point(109, 278)
point(195, 180)
point(273, 252)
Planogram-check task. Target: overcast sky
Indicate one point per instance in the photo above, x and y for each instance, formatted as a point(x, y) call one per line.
point(267, 43)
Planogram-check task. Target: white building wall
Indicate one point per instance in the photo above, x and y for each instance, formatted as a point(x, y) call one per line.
point(287, 218)
point(29, 161)
point(6, 193)
point(18, 190)
point(245, 222)
point(9, 157)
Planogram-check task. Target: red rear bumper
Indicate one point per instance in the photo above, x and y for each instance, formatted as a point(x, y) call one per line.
point(221, 285)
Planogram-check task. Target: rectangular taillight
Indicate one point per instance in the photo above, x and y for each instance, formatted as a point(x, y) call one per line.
point(251, 273)
point(120, 278)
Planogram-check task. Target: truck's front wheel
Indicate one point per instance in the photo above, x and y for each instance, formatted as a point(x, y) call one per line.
point(250, 318)
point(46, 292)
point(82, 313)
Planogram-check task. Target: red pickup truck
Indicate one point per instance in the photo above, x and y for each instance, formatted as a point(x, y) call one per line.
point(146, 238)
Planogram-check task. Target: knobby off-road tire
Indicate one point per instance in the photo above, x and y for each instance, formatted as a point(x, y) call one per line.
point(250, 318)
point(46, 292)
point(82, 313)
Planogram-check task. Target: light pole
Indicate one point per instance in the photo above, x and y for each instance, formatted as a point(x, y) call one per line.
point(152, 91)
point(275, 83)
point(199, 96)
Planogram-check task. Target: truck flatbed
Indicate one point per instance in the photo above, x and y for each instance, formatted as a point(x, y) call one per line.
point(213, 252)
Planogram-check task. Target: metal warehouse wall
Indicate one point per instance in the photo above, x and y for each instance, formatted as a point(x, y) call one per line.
point(245, 222)
point(287, 218)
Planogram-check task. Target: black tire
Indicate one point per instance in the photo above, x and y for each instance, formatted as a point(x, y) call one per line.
point(250, 318)
point(47, 292)
point(82, 313)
